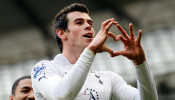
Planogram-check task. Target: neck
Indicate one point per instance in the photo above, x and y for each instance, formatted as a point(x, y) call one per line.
point(72, 53)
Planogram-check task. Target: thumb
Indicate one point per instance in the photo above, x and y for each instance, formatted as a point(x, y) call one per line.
point(119, 53)
point(107, 49)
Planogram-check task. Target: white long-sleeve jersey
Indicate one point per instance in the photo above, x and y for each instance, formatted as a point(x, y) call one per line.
point(60, 80)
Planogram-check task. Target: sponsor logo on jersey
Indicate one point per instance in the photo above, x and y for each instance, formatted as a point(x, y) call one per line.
point(39, 71)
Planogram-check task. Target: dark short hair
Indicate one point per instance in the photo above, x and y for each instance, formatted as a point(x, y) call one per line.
point(15, 84)
point(60, 20)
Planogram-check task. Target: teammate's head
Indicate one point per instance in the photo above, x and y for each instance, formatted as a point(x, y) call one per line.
point(61, 21)
point(22, 89)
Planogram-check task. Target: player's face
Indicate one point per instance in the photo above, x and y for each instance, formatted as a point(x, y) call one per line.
point(24, 90)
point(80, 32)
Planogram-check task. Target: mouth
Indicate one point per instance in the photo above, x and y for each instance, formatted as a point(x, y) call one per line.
point(88, 35)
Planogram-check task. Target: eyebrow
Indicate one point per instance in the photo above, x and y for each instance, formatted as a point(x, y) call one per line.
point(26, 87)
point(89, 20)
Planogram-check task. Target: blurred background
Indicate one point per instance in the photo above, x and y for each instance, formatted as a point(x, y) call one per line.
point(26, 37)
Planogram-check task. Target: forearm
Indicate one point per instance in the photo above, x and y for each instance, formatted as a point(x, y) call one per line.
point(55, 86)
point(146, 84)
point(72, 83)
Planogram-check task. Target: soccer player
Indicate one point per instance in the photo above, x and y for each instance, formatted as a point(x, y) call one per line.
point(69, 75)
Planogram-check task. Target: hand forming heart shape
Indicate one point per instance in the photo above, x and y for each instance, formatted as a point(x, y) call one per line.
point(132, 47)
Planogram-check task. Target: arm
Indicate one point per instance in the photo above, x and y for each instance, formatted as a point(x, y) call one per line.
point(134, 51)
point(145, 83)
point(55, 87)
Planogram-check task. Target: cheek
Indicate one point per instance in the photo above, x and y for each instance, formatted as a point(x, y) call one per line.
point(76, 30)
point(75, 38)
point(20, 96)
point(76, 34)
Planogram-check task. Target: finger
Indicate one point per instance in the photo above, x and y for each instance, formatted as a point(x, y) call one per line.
point(116, 38)
point(112, 35)
point(131, 31)
point(107, 27)
point(124, 33)
point(139, 36)
point(106, 22)
point(120, 37)
point(107, 49)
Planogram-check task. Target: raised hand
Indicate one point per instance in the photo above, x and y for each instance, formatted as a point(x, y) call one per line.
point(132, 47)
point(98, 43)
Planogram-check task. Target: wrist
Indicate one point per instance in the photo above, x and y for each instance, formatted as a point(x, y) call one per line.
point(138, 62)
point(92, 49)
point(89, 51)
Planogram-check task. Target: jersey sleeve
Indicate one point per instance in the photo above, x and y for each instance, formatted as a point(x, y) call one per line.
point(146, 86)
point(55, 87)
point(145, 83)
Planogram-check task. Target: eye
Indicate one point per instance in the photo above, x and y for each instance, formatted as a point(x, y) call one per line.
point(79, 23)
point(90, 22)
point(25, 91)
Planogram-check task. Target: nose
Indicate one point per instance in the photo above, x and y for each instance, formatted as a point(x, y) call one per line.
point(31, 96)
point(88, 26)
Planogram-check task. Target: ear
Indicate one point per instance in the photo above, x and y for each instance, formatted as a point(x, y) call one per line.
point(11, 97)
point(61, 33)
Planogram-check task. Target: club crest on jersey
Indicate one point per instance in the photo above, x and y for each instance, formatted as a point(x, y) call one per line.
point(38, 71)
point(93, 95)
